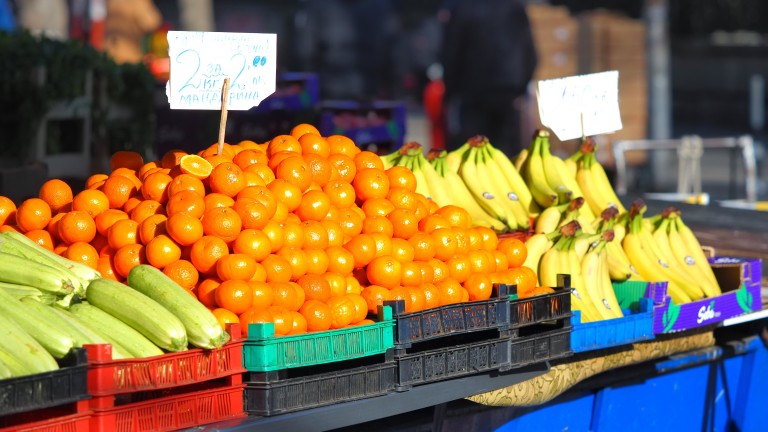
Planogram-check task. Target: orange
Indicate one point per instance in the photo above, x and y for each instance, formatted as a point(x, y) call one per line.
point(340, 260)
point(235, 295)
point(287, 193)
point(206, 252)
point(213, 200)
point(235, 267)
point(479, 286)
point(340, 193)
point(303, 128)
point(315, 287)
point(403, 199)
point(278, 268)
point(225, 316)
point(488, 236)
point(411, 275)
point(377, 207)
point(172, 158)
point(227, 179)
point(95, 181)
point(118, 189)
point(319, 315)
point(146, 209)
point(367, 159)
point(314, 205)
point(423, 246)
point(183, 273)
point(524, 278)
point(121, 233)
point(283, 143)
point(260, 275)
point(7, 211)
point(384, 271)
point(293, 235)
point(482, 261)
point(401, 293)
point(106, 219)
point(185, 201)
point(106, 267)
point(126, 159)
point(274, 231)
point(320, 170)
point(402, 250)
point(462, 240)
point(262, 170)
point(155, 187)
point(418, 298)
point(459, 268)
point(41, 237)
point(150, 227)
point(440, 270)
point(215, 160)
point(186, 182)
point(222, 222)
point(147, 167)
point(401, 177)
point(500, 259)
point(298, 323)
point(449, 291)
point(263, 195)
point(404, 223)
point(475, 239)
point(254, 316)
point(206, 292)
point(515, 251)
point(427, 272)
point(371, 183)
point(83, 253)
point(359, 306)
point(254, 243)
point(343, 167)
point(350, 222)
point(383, 244)
point(342, 311)
point(262, 294)
point(335, 234)
point(131, 204)
point(100, 242)
point(77, 226)
point(377, 224)
point(456, 216)
point(246, 158)
point(363, 249)
point(56, 193)
point(313, 143)
point(445, 243)
point(286, 296)
point(252, 213)
point(184, 229)
point(431, 296)
point(128, 257)
point(297, 260)
point(33, 214)
point(432, 222)
point(317, 261)
point(162, 251)
point(195, 166)
point(337, 282)
point(340, 144)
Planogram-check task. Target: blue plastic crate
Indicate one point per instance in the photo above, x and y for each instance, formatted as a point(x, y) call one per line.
point(350, 118)
point(635, 326)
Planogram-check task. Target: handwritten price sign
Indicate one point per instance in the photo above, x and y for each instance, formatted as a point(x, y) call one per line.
point(200, 61)
point(565, 104)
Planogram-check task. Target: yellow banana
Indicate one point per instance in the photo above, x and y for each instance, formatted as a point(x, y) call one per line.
point(549, 219)
point(590, 270)
point(650, 269)
point(692, 258)
point(589, 311)
point(691, 288)
point(471, 176)
point(454, 159)
point(499, 186)
point(533, 173)
point(606, 189)
point(520, 159)
point(537, 245)
point(606, 288)
point(553, 173)
point(515, 181)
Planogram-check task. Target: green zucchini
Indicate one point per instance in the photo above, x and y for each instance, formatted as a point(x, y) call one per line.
point(17, 343)
point(139, 311)
point(115, 330)
point(203, 329)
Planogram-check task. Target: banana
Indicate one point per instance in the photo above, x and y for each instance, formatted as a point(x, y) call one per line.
point(537, 245)
point(549, 219)
point(583, 242)
point(590, 270)
point(391, 159)
point(455, 158)
point(690, 286)
point(689, 254)
point(571, 183)
point(606, 287)
point(438, 186)
point(573, 213)
point(590, 190)
point(471, 176)
point(520, 159)
point(554, 173)
point(571, 164)
point(549, 267)
point(606, 189)
point(661, 238)
point(414, 163)
point(619, 267)
point(515, 181)
point(589, 310)
point(535, 178)
point(498, 185)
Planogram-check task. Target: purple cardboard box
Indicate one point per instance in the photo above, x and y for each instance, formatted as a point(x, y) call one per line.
point(739, 280)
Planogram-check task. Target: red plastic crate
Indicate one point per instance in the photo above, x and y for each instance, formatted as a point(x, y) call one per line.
point(172, 412)
point(71, 423)
point(72, 417)
point(110, 377)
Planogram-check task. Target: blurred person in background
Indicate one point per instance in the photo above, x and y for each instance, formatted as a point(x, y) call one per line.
point(488, 59)
point(49, 18)
point(127, 23)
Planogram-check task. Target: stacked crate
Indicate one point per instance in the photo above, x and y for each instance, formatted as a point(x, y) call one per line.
point(555, 35)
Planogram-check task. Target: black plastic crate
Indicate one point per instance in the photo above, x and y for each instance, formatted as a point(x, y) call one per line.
point(540, 347)
point(543, 307)
point(451, 319)
point(48, 389)
point(450, 362)
point(280, 396)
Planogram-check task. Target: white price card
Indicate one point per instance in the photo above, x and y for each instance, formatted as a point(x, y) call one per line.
point(200, 61)
point(580, 105)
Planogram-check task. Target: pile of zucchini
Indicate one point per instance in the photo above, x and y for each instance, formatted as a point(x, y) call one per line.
point(49, 305)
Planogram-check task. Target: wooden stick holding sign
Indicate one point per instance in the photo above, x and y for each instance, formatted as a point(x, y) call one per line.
point(223, 122)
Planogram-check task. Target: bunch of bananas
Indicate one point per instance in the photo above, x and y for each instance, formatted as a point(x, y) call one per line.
point(663, 248)
point(592, 179)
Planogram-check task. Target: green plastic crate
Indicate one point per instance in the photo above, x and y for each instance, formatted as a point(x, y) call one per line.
point(629, 293)
point(263, 351)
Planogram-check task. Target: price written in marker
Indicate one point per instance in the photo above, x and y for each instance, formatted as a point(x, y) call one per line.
point(580, 105)
point(200, 61)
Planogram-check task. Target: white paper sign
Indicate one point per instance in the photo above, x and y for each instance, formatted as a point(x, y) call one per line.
point(200, 61)
point(563, 101)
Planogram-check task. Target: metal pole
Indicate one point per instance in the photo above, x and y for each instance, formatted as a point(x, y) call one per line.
point(660, 97)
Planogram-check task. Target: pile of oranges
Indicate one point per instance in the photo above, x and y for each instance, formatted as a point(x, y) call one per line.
point(305, 231)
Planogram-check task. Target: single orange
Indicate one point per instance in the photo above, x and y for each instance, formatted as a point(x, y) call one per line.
point(342, 311)
point(171, 158)
point(146, 209)
point(363, 249)
point(314, 205)
point(456, 216)
point(126, 159)
point(118, 190)
point(338, 283)
point(340, 260)
point(402, 250)
point(401, 177)
point(404, 223)
point(56, 193)
point(371, 183)
point(449, 291)
point(206, 292)
point(440, 270)
point(335, 234)
point(515, 250)
point(286, 295)
point(184, 229)
point(278, 268)
point(315, 287)
point(262, 170)
point(262, 294)
point(185, 201)
point(432, 222)
point(41, 237)
point(186, 182)
point(319, 315)
point(227, 178)
point(274, 231)
point(384, 271)
point(350, 222)
point(121, 233)
point(77, 226)
point(150, 227)
point(7, 211)
point(225, 316)
point(360, 307)
point(377, 207)
point(287, 193)
point(128, 257)
point(235, 267)
point(235, 295)
point(283, 143)
point(106, 267)
point(33, 214)
point(106, 219)
point(302, 129)
point(254, 243)
point(252, 213)
point(343, 167)
point(317, 261)
point(83, 253)
point(248, 157)
point(161, 251)
point(93, 180)
point(479, 286)
point(222, 222)
point(459, 268)
point(445, 242)
point(213, 200)
point(183, 273)
point(297, 260)
point(195, 166)
point(340, 144)
point(482, 261)
point(313, 143)
point(411, 274)
point(206, 252)
point(423, 245)
point(431, 295)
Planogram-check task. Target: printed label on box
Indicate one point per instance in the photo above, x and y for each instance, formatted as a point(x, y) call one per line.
point(200, 61)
